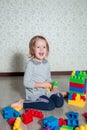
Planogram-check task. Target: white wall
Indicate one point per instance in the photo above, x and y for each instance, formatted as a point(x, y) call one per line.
point(62, 22)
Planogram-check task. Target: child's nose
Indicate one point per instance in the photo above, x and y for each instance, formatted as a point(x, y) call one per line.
point(41, 48)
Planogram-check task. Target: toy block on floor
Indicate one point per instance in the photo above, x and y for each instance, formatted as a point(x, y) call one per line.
point(82, 127)
point(9, 112)
point(73, 119)
point(36, 113)
point(17, 124)
point(51, 122)
point(66, 127)
point(27, 118)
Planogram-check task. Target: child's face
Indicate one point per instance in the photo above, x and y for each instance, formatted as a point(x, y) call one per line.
point(40, 50)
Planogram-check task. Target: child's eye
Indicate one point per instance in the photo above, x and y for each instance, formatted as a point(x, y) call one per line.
point(44, 47)
point(38, 47)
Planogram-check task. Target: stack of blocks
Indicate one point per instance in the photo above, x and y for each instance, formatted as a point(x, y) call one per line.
point(77, 88)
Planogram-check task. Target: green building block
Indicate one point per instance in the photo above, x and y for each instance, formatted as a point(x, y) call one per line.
point(55, 83)
point(66, 127)
point(83, 74)
point(77, 79)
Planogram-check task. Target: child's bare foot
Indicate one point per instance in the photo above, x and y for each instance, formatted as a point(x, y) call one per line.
point(65, 94)
point(18, 104)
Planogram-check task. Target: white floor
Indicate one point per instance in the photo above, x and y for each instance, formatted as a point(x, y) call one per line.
point(11, 90)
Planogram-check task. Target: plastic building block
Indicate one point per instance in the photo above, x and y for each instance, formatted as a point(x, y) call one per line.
point(77, 73)
point(80, 90)
point(11, 121)
point(85, 114)
point(73, 119)
point(50, 121)
point(82, 127)
point(74, 96)
point(9, 112)
point(73, 72)
point(73, 115)
point(48, 89)
point(17, 124)
point(83, 98)
point(76, 85)
point(66, 127)
point(54, 84)
point(17, 108)
point(62, 121)
point(70, 96)
point(80, 103)
point(83, 74)
point(77, 79)
point(27, 118)
point(36, 113)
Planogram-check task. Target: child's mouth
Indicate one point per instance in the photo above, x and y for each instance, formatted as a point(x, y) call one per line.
point(41, 54)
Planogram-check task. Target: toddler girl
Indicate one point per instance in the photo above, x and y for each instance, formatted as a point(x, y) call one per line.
point(37, 78)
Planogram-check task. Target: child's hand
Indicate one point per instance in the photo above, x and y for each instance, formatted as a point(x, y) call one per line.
point(54, 88)
point(47, 84)
point(54, 85)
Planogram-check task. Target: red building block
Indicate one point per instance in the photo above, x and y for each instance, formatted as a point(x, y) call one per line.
point(73, 96)
point(77, 85)
point(27, 118)
point(62, 121)
point(83, 98)
point(36, 113)
point(85, 114)
point(11, 121)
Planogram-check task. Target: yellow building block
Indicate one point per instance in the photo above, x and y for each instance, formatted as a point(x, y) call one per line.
point(82, 127)
point(73, 72)
point(80, 103)
point(17, 124)
point(48, 89)
point(17, 108)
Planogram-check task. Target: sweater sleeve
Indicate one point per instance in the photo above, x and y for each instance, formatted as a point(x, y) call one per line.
point(28, 80)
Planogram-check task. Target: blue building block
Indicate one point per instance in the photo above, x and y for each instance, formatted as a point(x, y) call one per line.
point(70, 96)
point(72, 115)
point(78, 90)
point(9, 112)
point(51, 122)
point(77, 73)
point(73, 119)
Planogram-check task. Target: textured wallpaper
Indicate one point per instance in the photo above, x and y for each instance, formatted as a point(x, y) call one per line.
point(62, 22)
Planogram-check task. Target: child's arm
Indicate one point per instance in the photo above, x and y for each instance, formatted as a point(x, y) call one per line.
point(45, 84)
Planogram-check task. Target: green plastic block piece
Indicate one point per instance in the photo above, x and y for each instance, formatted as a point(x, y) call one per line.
point(83, 74)
point(66, 127)
point(77, 79)
point(55, 83)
